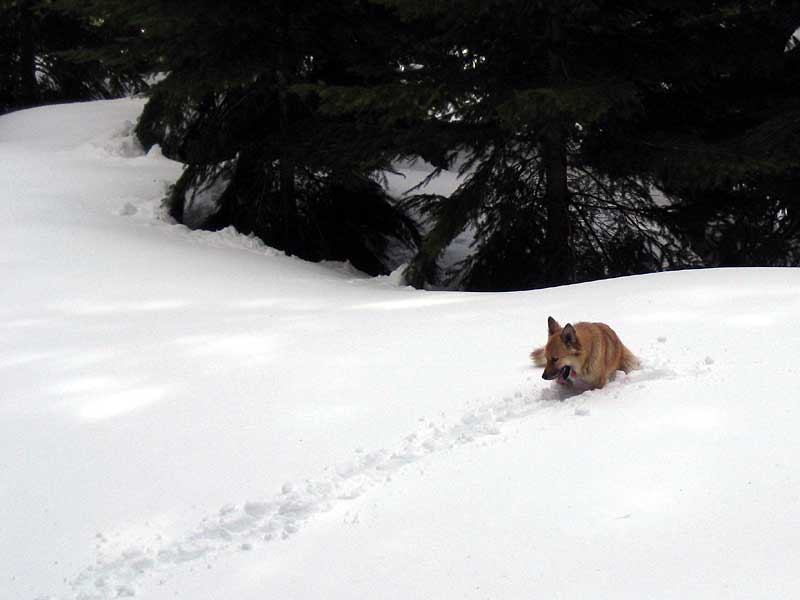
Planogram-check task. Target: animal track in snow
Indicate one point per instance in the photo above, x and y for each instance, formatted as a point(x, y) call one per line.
point(242, 527)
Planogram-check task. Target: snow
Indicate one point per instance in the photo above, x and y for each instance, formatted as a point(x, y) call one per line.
point(193, 414)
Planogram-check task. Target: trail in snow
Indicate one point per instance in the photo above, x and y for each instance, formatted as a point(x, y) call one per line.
point(240, 527)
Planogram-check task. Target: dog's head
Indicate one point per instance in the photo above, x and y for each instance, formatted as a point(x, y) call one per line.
point(561, 352)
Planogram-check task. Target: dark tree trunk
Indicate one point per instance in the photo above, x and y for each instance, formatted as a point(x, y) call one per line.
point(559, 267)
point(28, 90)
point(287, 169)
point(289, 206)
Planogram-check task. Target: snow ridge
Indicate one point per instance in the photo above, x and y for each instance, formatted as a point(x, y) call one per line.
point(241, 527)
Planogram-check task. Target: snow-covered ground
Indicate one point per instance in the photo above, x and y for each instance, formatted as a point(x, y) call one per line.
point(193, 415)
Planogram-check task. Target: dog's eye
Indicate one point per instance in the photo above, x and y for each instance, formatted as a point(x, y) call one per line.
point(554, 359)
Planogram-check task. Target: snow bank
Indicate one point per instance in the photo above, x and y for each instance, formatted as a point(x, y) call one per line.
point(195, 414)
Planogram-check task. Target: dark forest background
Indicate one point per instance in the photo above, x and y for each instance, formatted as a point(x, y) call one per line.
point(596, 138)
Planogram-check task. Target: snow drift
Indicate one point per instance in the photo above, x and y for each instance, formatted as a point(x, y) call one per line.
point(194, 414)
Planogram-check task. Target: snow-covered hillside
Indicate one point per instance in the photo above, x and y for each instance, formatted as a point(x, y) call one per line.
point(194, 415)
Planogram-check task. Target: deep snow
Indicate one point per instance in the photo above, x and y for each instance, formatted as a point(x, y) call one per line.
point(196, 415)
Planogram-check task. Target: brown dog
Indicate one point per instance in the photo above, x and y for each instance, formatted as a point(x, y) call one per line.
point(589, 351)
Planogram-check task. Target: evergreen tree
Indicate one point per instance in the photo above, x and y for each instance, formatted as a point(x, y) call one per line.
point(47, 54)
point(720, 137)
point(572, 112)
point(239, 104)
point(518, 87)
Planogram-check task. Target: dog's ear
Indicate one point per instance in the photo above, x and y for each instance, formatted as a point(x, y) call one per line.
point(552, 326)
point(568, 336)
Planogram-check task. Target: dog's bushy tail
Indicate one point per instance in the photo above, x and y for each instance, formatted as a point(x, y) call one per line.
point(628, 362)
point(538, 357)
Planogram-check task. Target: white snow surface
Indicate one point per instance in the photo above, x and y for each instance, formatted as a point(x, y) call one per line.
point(195, 415)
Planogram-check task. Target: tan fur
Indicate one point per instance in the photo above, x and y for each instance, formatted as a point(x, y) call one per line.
point(538, 357)
point(593, 350)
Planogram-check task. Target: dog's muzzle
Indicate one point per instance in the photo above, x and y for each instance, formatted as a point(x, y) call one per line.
point(562, 374)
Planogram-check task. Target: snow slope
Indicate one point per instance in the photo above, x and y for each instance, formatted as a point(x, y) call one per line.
point(194, 415)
